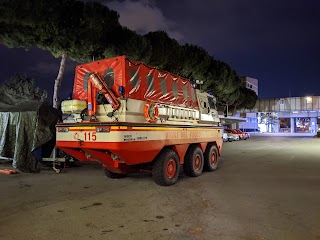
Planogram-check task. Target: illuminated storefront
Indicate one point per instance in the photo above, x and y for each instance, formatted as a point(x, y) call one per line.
point(284, 115)
point(302, 125)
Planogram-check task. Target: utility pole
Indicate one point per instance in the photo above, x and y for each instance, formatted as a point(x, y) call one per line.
point(226, 110)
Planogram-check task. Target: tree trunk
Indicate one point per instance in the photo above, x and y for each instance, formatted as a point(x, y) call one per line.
point(234, 110)
point(57, 82)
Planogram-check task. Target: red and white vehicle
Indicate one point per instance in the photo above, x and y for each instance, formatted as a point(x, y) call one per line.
point(247, 135)
point(241, 135)
point(130, 117)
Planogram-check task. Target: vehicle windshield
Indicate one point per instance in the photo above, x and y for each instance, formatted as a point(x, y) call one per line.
point(212, 104)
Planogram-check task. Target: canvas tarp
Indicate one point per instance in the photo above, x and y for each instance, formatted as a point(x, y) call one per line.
point(138, 80)
point(27, 132)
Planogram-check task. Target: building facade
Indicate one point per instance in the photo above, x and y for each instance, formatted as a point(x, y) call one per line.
point(251, 83)
point(287, 115)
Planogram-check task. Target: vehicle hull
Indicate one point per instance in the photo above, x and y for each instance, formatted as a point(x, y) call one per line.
point(121, 146)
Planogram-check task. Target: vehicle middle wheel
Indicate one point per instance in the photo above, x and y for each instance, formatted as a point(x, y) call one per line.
point(193, 162)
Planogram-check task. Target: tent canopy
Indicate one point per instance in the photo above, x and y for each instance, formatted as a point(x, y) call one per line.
point(27, 128)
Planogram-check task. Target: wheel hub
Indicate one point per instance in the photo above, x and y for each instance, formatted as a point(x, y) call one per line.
point(171, 168)
point(213, 159)
point(197, 162)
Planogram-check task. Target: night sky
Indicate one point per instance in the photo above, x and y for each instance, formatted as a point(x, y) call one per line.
point(277, 42)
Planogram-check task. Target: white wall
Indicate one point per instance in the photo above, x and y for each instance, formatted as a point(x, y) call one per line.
point(252, 83)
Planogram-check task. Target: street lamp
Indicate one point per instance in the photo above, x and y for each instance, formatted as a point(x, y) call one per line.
point(309, 99)
point(198, 82)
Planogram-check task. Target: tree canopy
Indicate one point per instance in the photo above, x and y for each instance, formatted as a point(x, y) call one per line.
point(21, 87)
point(82, 31)
point(89, 30)
point(195, 63)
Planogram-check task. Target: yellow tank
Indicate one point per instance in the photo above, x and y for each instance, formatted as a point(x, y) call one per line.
point(73, 106)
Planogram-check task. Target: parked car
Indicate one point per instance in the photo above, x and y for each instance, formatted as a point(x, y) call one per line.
point(232, 135)
point(225, 137)
point(240, 134)
point(246, 135)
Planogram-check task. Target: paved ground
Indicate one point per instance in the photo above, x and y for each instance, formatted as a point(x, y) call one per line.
point(265, 188)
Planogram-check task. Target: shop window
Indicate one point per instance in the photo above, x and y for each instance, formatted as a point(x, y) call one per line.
point(285, 124)
point(243, 115)
point(163, 85)
point(108, 77)
point(175, 89)
point(251, 119)
point(302, 125)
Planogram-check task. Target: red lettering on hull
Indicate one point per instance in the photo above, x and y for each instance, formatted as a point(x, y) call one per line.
point(172, 135)
point(195, 134)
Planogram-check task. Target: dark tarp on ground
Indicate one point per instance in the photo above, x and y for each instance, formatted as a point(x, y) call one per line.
point(27, 129)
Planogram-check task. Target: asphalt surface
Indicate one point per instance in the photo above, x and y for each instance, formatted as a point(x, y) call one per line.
point(265, 188)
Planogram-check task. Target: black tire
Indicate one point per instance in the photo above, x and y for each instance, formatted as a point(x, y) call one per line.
point(110, 174)
point(211, 158)
point(193, 161)
point(166, 168)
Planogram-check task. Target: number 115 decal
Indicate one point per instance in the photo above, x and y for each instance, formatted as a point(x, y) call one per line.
point(85, 136)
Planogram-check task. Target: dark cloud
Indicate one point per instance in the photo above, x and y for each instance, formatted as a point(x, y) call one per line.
point(143, 17)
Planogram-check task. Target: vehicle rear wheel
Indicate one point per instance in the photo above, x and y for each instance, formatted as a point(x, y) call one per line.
point(193, 162)
point(211, 158)
point(166, 168)
point(110, 174)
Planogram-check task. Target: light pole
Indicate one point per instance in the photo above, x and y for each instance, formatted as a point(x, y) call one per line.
point(308, 101)
point(226, 108)
point(198, 82)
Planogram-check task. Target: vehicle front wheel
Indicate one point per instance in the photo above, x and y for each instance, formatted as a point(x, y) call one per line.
point(166, 168)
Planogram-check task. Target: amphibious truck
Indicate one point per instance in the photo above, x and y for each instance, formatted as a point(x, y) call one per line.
point(132, 117)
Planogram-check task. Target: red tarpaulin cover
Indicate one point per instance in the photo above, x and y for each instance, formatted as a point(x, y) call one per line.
point(139, 81)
